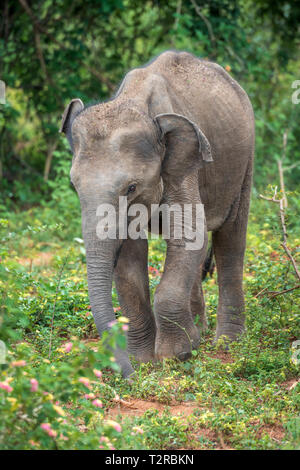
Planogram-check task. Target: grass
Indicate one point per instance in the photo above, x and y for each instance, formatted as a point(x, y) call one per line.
point(247, 398)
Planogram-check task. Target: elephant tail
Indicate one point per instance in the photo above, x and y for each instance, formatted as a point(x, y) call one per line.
point(209, 263)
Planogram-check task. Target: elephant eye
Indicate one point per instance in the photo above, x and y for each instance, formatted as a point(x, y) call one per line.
point(131, 188)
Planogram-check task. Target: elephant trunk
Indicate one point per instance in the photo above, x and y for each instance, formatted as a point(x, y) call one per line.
point(100, 257)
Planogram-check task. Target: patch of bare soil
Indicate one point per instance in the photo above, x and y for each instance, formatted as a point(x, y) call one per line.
point(223, 356)
point(137, 407)
point(42, 259)
point(275, 431)
point(290, 384)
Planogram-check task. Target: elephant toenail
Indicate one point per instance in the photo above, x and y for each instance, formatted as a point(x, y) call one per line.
point(184, 356)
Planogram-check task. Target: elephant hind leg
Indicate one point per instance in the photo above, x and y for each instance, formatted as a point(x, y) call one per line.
point(229, 244)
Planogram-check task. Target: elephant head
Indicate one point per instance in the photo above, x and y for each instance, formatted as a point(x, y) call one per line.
point(120, 150)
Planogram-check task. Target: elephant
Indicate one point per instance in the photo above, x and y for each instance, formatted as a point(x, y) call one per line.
point(178, 130)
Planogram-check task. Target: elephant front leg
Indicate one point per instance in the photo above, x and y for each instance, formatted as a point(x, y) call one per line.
point(198, 303)
point(176, 333)
point(132, 283)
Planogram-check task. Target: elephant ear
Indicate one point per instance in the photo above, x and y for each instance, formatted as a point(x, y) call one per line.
point(70, 113)
point(186, 145)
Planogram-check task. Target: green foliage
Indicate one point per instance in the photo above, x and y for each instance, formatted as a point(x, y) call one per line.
point(249, 397)
point(35, 396)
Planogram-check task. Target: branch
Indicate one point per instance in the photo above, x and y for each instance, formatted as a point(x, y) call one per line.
point(203, 18)
point(178, 13)
point(287, 168)
point(234, 54)
point(284, 144)
point(40, 55)
point(65, 261)
point(284, 230)
point(36, 22)
point(98, 74)
point(289, 254)
point(39, 28)
point(260, 292)
point(50, 150)
point(274, 294)
point(26, 165)
point(271, 199)
point(281, 170)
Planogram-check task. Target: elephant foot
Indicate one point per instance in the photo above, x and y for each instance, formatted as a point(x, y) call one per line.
point(178, 345)
point(143, 355)
point(143, 349)
point(123, 361)
point(229, 332)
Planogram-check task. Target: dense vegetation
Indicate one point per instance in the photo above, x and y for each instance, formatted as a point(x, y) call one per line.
point(57, 389)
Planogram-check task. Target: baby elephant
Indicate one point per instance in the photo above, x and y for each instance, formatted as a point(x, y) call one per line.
point(179, 132)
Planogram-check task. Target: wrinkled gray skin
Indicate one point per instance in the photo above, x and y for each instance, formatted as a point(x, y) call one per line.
point(182, 130)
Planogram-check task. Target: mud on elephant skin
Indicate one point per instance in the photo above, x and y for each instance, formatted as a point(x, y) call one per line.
point(180, 131)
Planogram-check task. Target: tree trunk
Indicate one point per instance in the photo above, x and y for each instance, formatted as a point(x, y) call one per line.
point(51, 148)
